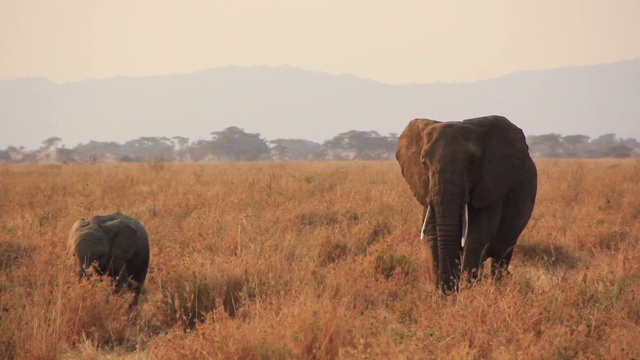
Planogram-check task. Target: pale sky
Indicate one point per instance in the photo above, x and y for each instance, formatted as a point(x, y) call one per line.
point(389, 41)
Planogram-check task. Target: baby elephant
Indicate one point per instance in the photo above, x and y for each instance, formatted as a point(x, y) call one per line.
point(116, 245)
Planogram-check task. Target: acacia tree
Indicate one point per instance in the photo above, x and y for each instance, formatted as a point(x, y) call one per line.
point(5, 155)
point(295, 149)
point(180, 145)
point(234, 144)
point(199, 150)
point(99, 150)
point(575, 145)
point(148, 148)
point(362, 145)
point(547, 145)
point(50, 143)
point(619, 151)
point(180, 142)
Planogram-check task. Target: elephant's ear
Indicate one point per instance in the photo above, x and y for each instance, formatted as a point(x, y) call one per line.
point(123, 241)
point(74, 236)
point(504, 154)
point(410, 145)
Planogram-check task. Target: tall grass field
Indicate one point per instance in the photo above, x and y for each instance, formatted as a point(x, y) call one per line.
point(313, 260)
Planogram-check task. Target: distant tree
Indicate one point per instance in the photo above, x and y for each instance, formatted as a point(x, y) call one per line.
point(12, 154)
point(50, 143)
point(148, 148)
point(295, 149)
point(66, 155)
point(607, 145)
point(101, 147)
point(5, 155)
point(29, 157)
point(234, 144)
point(99, 150)
point(199, 150)
point(362, 145)
point(575, 145)
point(630, 142)
point(181, 145)
point(605, 140)
point(619, 151)
point(573, 141)
point(548, 145)
point(181, 142)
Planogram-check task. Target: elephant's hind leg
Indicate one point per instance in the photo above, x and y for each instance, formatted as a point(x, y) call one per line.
point(502, 249)
point(138, 276)
point(517, 208)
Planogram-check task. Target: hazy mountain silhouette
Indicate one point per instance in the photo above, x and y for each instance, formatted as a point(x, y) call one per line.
point(288, 102)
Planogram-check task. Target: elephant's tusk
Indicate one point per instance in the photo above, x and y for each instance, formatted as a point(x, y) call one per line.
point(465, 225)
point(424, 225)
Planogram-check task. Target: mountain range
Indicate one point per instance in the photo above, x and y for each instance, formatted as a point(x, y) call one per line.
point(290, 102)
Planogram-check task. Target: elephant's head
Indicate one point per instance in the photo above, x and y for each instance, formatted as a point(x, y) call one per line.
point(450, 166)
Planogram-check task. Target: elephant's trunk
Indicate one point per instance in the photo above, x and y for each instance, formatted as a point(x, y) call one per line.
point(448, 201)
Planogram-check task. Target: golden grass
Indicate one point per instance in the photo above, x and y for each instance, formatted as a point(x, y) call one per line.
point(313, 260)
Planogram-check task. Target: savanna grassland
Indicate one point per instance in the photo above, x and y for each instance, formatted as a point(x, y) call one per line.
point(313, 260)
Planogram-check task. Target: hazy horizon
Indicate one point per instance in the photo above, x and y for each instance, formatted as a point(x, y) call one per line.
point(395, 43)
point(288, 102)
point(309, 70)
point(213, 68)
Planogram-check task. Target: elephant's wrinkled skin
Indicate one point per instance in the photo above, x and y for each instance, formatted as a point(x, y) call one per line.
point(482, 163)
point(116, 245)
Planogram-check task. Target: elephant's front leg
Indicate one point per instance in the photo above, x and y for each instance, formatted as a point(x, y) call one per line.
point(483, 224)
point(474, 255)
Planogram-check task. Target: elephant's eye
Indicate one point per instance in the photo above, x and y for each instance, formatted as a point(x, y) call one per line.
point(423, 161)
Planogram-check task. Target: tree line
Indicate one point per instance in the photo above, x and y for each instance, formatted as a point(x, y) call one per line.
point(230, 144)
point(234, 144)
point(582, 146)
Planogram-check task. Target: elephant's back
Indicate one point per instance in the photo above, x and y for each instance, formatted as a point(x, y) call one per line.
point(142, 231)
point(142, 235)
point(104, 219)
point(109, 221)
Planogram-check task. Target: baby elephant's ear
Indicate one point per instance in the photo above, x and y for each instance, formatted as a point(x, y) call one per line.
point(410, 145)
point(74, 236)
point(124, 241)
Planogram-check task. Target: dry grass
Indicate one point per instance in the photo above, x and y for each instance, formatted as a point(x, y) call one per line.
point(313, 260)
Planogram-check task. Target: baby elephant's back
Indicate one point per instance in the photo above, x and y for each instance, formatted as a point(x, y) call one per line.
point(106, 220)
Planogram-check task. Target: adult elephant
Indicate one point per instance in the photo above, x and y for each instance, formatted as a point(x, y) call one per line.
point(115, 245)
point(477, 185)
